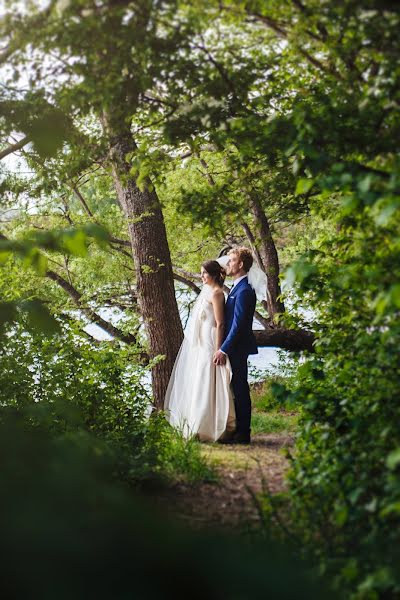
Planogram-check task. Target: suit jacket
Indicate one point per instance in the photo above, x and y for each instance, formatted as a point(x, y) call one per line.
point(239, 312)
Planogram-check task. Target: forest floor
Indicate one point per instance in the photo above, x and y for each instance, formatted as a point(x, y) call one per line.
point(241, 473)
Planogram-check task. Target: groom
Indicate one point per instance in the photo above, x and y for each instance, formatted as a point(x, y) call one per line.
point(239, 339)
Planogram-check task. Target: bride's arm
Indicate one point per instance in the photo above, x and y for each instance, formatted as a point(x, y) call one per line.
point(218, 302)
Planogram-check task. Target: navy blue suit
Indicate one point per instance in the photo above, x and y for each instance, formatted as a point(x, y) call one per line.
point(239, 342)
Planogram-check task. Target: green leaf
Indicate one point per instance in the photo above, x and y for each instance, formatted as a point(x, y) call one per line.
point(384, 209)
point(365, 184)
point(393, 508)
point(40, 318)
point(8, 312)
point(341, 516)
point(303, 186)
point(395, 294)
point(39, 262)
point(355, 494)
point(97, 232)
point(393, 459)
point(75, 242)
point(300, 271)
point(349, 205)
point(4, 256)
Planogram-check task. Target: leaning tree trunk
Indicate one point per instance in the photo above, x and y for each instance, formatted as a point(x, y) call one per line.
point(266, 250)
point(155, 283)
point(295, 340)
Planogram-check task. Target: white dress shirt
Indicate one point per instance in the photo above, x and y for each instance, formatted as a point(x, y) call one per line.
point(236, 281)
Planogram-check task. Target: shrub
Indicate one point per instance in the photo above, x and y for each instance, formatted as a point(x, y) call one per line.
point(70, 386)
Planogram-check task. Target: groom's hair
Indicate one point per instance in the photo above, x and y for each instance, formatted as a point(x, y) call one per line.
point(244, 255)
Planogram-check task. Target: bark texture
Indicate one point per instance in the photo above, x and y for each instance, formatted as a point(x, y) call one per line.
point(265, 250)
point(295, 340)
point(154, 276)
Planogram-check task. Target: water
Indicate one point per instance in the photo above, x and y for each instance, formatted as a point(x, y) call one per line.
point(267, 360)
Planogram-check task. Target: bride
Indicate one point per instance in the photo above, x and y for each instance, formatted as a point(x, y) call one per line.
point(199, 400)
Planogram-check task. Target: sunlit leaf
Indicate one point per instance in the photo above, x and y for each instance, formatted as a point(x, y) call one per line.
point(303, 186)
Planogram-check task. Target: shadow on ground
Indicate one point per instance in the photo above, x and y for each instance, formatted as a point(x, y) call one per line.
point(242, 473)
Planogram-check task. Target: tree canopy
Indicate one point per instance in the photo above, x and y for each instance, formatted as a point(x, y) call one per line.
point(155, 135)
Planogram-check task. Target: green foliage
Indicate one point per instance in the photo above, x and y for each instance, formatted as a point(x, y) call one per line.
point(61, 506)
point(168, 456)
point(271, 411)
point(267, 396)
point(344, 485)
point(68, 386)
point(296, 103)
point(44, 124)
point(273, 422)
point(37, 316)
point(29, 251)
point(72, 241)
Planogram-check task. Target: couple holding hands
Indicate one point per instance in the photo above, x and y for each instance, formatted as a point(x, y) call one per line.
point(208, 394)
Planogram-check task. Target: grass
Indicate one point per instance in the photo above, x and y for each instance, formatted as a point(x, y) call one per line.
point(269, 415)
point(193, 462)
point(229, 457)
point(239, 458)
point(276, 421)
point(262, 394)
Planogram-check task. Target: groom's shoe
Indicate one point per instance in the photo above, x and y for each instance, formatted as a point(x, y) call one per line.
point(241, 438)
point(227, 438)
point(236, 438)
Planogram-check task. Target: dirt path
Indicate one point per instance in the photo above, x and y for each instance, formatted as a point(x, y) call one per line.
point(228, 502)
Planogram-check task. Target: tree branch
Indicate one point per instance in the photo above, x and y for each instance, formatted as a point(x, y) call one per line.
point(294, 340)
point(82, 200)
point(14, 147)
point(186, 281)
point(187, 274)
point(283, 33)
point(113, 240)
point(91, 314)
point(218, 66)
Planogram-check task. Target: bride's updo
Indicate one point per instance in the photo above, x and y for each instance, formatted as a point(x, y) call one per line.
point(215, 270)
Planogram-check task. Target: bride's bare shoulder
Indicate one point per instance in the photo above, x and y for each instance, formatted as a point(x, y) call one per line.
point(217, 294)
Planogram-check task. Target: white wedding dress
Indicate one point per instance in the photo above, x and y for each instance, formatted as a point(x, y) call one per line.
point(199, 400)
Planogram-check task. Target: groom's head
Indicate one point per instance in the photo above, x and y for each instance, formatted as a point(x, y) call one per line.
point(240, 262)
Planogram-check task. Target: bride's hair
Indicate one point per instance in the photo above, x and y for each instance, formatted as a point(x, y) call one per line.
point(215, 270)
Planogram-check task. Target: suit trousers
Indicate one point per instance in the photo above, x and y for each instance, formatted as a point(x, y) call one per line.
point(241, 392)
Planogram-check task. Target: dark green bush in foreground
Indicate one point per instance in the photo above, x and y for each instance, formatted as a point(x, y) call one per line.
point(68, 530)
point(344, 496)
point(69, 386)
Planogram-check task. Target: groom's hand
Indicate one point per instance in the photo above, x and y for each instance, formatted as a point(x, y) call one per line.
point(219, 358)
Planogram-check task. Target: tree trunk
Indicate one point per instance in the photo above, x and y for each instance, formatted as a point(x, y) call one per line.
point(287, 339)
point(266, 250)
point(154, 276)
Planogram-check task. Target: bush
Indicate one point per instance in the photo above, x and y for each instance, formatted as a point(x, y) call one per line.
point(69, 385)
point(271, 394)
point(344, 497)
point(68, 530)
